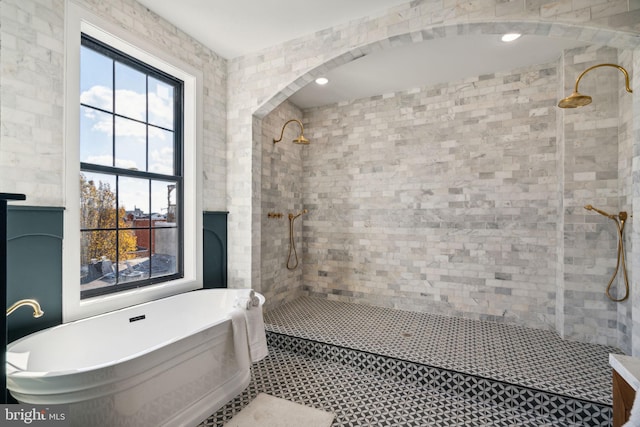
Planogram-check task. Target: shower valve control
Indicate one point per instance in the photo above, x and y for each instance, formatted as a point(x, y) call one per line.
point(275, 215)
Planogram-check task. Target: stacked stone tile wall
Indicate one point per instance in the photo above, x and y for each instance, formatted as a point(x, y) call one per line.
point(259, 82)
point(440, 199)
point(625, 190)
point(32, 87)
point(591, 176)
point(32, 82)
point(634, 257)
point(281, 183)
point(559, 296)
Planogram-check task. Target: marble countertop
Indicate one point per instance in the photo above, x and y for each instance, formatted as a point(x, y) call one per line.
point(627, 367)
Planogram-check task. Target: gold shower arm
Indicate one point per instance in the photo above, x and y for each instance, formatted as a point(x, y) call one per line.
point(626, 75)
point(576, 99)
point(300, 139)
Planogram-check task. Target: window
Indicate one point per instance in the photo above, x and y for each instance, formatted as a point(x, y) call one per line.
point(130, 172)
point(133, 126)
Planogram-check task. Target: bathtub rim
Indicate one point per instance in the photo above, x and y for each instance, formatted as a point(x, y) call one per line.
point(12, 371)
point(40, 390)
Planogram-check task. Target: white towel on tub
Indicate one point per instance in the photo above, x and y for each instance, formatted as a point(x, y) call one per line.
point(254, 320)
point(256, 334)
point(240, 339)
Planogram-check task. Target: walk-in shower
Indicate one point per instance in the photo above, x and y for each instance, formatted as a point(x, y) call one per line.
point(620, 222)
point(576, 99)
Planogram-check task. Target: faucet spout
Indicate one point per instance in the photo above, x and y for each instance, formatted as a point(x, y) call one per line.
point(37, 311)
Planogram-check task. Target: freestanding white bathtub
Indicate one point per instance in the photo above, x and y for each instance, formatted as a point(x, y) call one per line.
point(170, 362)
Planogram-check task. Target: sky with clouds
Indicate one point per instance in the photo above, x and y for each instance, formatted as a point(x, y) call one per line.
point(130, 128)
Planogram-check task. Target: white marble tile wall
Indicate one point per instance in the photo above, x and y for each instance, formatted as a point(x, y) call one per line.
point(32, 85)
point(261, 81)
point(281, 183)
point(441, 199)
point(625, 190)
point(633, 327)
point(591, 176)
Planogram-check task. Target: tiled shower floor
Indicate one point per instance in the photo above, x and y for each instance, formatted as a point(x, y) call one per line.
point(373, 366)
point(527, 357)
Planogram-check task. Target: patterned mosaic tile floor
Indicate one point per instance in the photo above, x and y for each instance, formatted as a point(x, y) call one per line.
point(531, 358)
point(358, 398)
point(375, 367)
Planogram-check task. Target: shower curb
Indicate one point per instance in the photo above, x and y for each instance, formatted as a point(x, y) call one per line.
point(566, 410)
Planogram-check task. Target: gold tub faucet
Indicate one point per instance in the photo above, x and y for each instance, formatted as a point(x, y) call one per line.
point(37, 311)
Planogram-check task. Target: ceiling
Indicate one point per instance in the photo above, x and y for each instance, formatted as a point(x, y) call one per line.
point(240, 27)
point(428, 63)
point(237, 27)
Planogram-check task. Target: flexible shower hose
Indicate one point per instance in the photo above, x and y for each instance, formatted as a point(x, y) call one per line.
point(292, 242)
point(620, 226)
point(620, 221)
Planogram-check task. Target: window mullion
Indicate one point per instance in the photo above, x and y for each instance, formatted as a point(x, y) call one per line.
point(117, 260)
point(169, 264)
point(151, 236)
point(113, 110)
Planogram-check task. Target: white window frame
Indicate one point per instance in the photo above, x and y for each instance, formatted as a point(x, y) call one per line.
point(79, 20)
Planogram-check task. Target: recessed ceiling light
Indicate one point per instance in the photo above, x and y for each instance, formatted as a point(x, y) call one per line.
point(510, 37)
point(322, 81)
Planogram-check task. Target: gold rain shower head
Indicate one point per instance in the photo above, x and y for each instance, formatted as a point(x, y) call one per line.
point(576, 99)
point(300, 139)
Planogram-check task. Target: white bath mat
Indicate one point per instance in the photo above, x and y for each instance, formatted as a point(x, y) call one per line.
point(268, 411)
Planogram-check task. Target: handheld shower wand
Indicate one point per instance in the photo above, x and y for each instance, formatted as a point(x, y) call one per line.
point(620, 222)
point(603, 213)
point(292, 242)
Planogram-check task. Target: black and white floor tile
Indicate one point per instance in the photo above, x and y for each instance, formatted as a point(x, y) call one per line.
point(359, 398)
point(373, 366)
point(492, 393)
point(527, 357)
